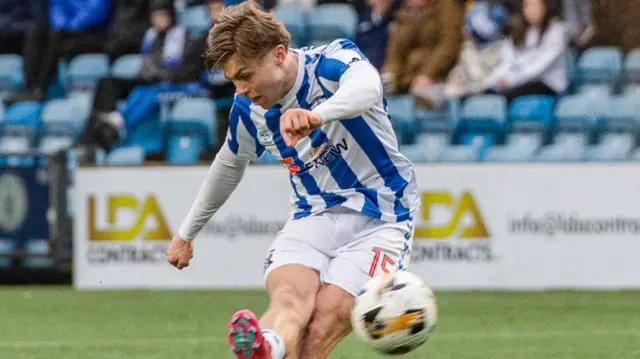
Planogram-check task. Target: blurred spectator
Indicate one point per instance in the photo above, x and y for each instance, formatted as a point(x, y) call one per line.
point(485, 24)
point(77, 27)
point(579, 23)
point(424, 44)
point(130, 21)
point(169, 57)
point(20, 19)
point(373, 29)
point(533, 58)
point(214, 81)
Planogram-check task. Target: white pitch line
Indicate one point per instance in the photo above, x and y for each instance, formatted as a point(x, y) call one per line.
point(128, 342)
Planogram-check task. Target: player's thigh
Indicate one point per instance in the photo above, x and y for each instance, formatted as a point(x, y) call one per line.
point(294, 262)
point(386, 249)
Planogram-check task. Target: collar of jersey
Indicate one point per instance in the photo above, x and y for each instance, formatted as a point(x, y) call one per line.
point(299, 77)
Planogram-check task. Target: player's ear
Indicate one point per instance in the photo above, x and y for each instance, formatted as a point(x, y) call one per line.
point(281, 54)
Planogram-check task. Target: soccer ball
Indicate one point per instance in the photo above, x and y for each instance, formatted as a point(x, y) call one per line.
point(394, 313)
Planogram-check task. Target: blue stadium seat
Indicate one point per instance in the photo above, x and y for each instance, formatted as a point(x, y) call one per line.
point(531, 113)
point(39, 247)
point(7, 248)
point(632, 66)
point(612, 147)
point(428, 147)
point(330, 21)
point(195, 19)
point(438, 120)
point(126, 156)
point(193, 116)
point(632, 89)
point(126, 66)
point(64, 117)
point(595, 90)
point(11, 74)
point(518, 147)
point(600, 65)
point(576, 113)
point(459, 154)
point(294, 20)
point(401, 110)
point(19, 130)
point(184, 149)
point(566, 147)
point(85, 70)
point(620, 114)
point(483, 113)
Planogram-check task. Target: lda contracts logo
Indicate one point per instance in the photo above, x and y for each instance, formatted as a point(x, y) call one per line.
point(451, 228)
point(131, 229)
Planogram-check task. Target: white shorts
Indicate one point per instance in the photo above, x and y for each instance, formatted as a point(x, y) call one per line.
point(346, 247)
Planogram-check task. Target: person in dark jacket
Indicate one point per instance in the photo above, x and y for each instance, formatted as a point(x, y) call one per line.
point(373, 29)
point(170, 60)
point(131, 19)
point(19, 19)
point(76, 27)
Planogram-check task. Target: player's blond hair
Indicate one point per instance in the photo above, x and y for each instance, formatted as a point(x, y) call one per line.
point(244, 30)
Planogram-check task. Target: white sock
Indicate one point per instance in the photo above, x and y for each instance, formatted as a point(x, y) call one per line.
point(277, 344)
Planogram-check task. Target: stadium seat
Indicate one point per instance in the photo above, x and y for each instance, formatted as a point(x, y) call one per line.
point(483, 113)
point(632, 89)
point(64, 117)
point(600, 65)
point(576, 113)
point(195, 19)
point(126, 66)
point(518, 147)
point(19, 129)
point(184, 149)
point(531, 113)
point(40, 248)
point(459, 154)
point(632, 66)
point(85, 70)
point(294, 20)
point(193, 116)
point(566, 147)
point(428, 147)
point(6, 250)
point(11, 74)
point(595, 90)
point(612, 147)
point(330, 21)
point(126, 156)
point(619, 113)
point(401, 111)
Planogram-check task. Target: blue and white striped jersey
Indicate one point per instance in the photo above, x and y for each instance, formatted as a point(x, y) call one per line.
point(352, 162)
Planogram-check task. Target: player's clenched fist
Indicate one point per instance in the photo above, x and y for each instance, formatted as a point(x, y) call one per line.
point(296, 124)
point(179, 252)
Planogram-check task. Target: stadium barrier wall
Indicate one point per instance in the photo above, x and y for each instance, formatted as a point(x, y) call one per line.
point(515, 226)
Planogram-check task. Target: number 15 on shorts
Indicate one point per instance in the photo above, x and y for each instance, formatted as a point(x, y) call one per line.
point(381, 260)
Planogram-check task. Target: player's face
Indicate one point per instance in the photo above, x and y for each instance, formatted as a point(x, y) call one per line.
point(534, 11)
point(260, 80)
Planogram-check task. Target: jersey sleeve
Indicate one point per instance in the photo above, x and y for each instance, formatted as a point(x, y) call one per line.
point(339, 56)
point(242, 134)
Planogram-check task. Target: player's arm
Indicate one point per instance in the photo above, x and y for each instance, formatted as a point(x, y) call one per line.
point(355, 84)
point(224, 175)
point(222, 179)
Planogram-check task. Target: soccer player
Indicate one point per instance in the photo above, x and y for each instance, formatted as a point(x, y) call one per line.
point(321, 112)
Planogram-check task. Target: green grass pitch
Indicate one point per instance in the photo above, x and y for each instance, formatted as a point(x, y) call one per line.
point(59, 323)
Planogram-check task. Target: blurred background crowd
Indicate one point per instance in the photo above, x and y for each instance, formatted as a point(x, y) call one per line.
point(64, 63)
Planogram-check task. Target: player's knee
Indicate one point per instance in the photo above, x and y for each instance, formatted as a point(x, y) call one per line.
point(332, 316)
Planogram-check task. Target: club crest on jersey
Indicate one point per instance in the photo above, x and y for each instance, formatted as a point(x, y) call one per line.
point(320, 156)
point(265, 137)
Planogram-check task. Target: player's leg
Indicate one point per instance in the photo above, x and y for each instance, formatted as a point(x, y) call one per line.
point(292, 270)
point(382, 248)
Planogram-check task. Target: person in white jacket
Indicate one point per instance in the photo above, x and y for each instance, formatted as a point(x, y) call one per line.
point(533, 58)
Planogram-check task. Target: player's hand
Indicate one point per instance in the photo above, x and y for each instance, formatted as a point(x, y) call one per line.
point(179, 252)
point(296, 124)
